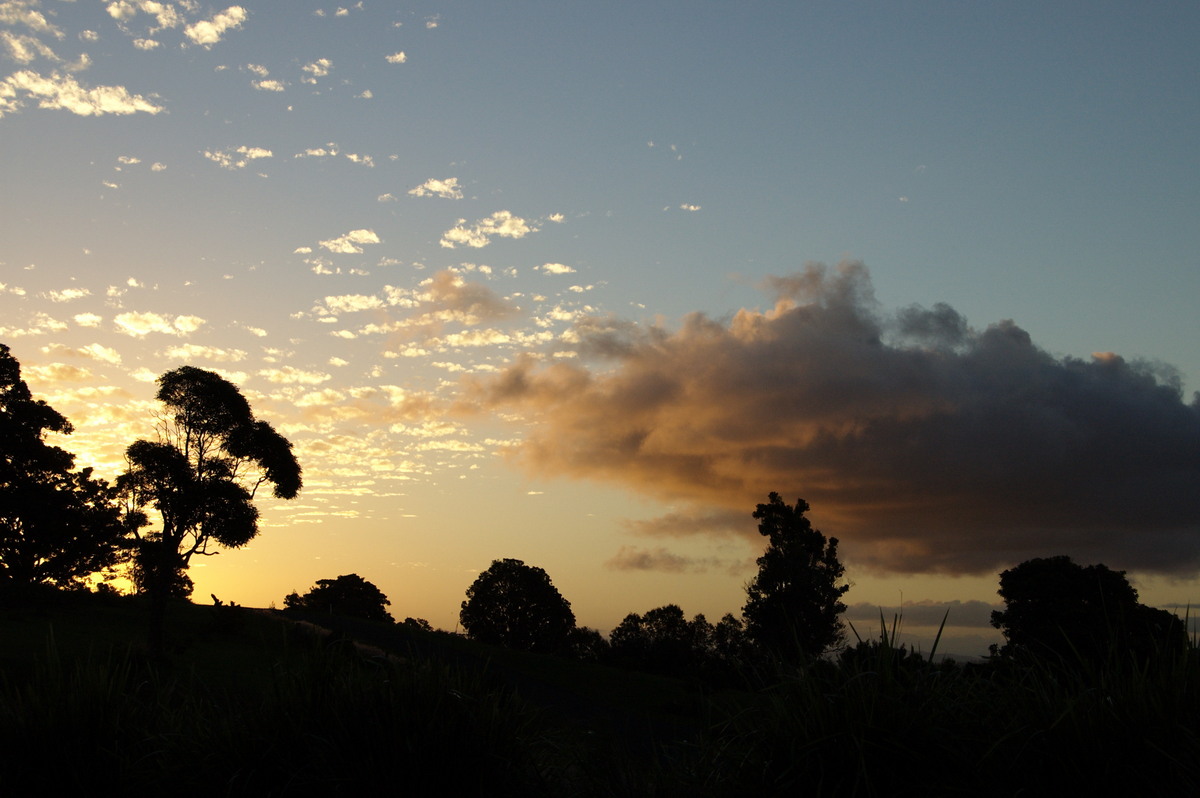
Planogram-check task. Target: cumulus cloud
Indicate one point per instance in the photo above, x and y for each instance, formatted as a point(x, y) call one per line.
point(397, 58)
point(236, 157)
point(208, 32)
point(555, 268)
point(317, 69)
point(502, 224)
point(924, 444)
point(447, 189)
point(351, 242)
point(63, 92)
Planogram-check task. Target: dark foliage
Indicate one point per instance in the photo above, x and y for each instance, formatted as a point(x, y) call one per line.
point(793, 603)
point(348, 595)
point(57, 525)
point(516, 605)
point(1060, 610)
point(202, 474)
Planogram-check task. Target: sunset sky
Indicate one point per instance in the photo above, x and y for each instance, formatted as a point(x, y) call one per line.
point(580, 284)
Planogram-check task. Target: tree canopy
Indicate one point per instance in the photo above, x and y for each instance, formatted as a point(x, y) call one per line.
point(348, 595)
point(57, 525)
point(1054, 607)
point(793, 604)
point(203, 472)
point(516, 605)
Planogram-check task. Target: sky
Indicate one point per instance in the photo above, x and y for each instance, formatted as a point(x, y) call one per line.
point(581, 284)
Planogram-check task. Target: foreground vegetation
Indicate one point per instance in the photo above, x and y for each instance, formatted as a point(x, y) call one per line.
point(244, 702)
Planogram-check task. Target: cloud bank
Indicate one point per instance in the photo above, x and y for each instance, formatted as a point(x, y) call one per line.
point(926, 445)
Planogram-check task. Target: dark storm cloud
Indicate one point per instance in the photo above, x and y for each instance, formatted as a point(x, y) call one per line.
point(924, 444)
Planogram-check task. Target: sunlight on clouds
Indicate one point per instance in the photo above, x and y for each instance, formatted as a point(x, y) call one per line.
point(555, 268)
point(397, 58)
point(206, 33)
point(192, 351)
point(447, 189)
point(228, 158)
point(58, 91)
point(290, 375)
point(68, 294)
point(349, 243)
point(142, 324)
point(317, 69)
point(502, 224)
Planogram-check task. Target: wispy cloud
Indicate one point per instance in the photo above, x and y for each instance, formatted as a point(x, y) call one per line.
point(237, 157)
point(139, 325)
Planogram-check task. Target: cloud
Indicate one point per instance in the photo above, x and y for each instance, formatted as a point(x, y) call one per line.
point(208, 32)
point(977, 614)
point(237, 157)
point(501, 224)
point(317, 69)
point(196, 351)
point(140, 325)
point(631, 558)
point(397, 58)
point(924, 444)
point(555, 268)
point(446, 189)
point(63, 92)
point(351, 242)
point(268, 85)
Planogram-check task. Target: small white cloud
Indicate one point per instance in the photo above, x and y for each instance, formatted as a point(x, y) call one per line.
point(68, 294)
point(317, 69)
point(686, 207)
point(397, 58)
point(208, 32)
point(365, 160)
point(386, 198)
point(365, 94)
point(502, 224)
point(237, 158)
point(555, 268)
point(302, 251)
point(268, 85)
point(88, 320)
point(146, 44)
point(351, 242)
point(447, 189)
point(258, 69)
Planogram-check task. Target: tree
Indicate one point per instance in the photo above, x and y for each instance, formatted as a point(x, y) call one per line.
point(663, 641)
point(1056, 608)
point(348, 595)
point(57, 526)
point(516, 605)
point(793, 604)
point(202, 474)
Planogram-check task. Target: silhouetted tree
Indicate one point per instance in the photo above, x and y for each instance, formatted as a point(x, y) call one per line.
point(57, 526)
point(1057, 608)
point(348, 595)
point(587, 645)
point(662, 641)
point(201, 475)
point(516, 605)
point(793, 604)
point(420, 624)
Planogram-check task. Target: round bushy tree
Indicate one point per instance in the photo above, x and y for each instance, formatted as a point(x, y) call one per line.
point(516, 605)
point(348, 595)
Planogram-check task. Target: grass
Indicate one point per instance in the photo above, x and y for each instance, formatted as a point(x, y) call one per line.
point(245, 703)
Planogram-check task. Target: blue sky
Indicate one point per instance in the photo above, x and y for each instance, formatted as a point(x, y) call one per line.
point(367, 215)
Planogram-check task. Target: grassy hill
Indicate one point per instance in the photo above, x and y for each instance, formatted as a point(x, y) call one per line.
point(251, 702)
